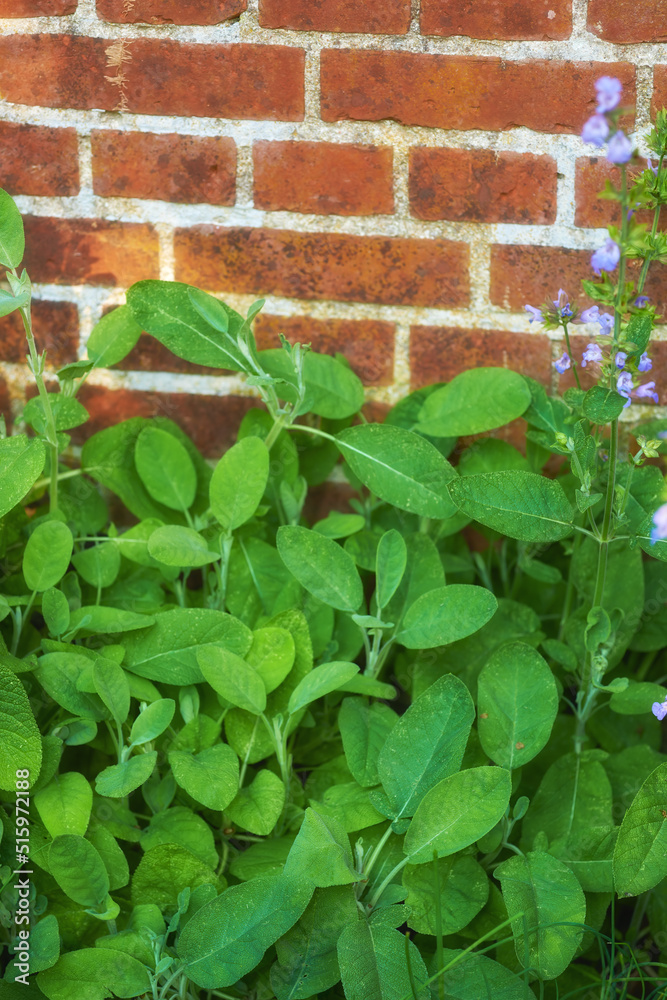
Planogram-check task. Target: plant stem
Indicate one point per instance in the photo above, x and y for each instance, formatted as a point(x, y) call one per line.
point(570, 355)
point(376, 851)
point(654, 229)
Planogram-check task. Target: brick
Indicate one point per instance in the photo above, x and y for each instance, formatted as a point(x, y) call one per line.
point(38, 161)
point(504, 19)
point(391, 270)
point(527, 274)
point(378, 17)
point(89, 251)
point(169, 11)
point(625, 21)
point(149, 355)
point(367, 344)
point(659, 89)
point(462, 92)
point(591, 172)
point(56, 329)
point(438, 353)
point(480, 185)
point(180, 168)
point(158, 76)
point(37, 8)
point(323, 178)
point(211, 421)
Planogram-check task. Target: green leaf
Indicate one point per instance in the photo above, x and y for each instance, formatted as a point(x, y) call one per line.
point(321, 853)
point(165, 310)
point(233, 678)
point(65, 804)
point(391, 560)
point(518, 703)
point(175, 545)
point(364, 729)
point(426, 744)
point(210, 309)
point(307, 958)
point(55, 611)
point(321, 566)
point(96, 618)
point(47, 555)
point(238, 482)
point(118, 780)
point(182, 826)
point(337, 525)
point(478, 977)
point(112, 856)
point(67, 411)
point(211, 777)
point(349, 803)
point(373, 963)
point(602, 405)
point(640, 856)
point(20, 742)
point(59, 674)
point(44, 944)
point(323, 680)
point(94, 974)
point(113, 337)
point(79, 870)
point(473, 402)
point(552, 901)
point(12, 238)
point(271, 655)
point(227, 938)
point(168, 651)
point(638, 331)
point(400, 467)
point(458, 811)
point(520, 505)
point(462, 885)
point(21, 463)
point(445, 615)
point(153, 721)
point(258, 807)
point(637, 698)
point(10, 303)
point(99, 565)
point(112, 686)
point(165, 468)
point(164, 871)
point(332, 389)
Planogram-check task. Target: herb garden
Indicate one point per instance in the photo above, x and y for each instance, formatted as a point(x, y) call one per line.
point(411, 750)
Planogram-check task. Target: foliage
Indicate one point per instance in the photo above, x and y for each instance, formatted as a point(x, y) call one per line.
point(370, 757)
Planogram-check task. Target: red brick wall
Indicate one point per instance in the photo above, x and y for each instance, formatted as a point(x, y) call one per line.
point(396, 177)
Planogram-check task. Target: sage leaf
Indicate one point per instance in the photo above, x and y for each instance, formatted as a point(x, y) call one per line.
point(640, 856)
point(473, 402)
point(519, 504)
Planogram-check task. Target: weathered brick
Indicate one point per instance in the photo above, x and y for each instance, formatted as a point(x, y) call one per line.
point(37, 8)
point(180, 168)
point(211, 421)
point(659, 88)
point(505, 19)
point(480, 185)
point(462, 92)
point(324, 265)
point(56, 329)
point(625, 21)
point(591, 210)
point(438, 353)
point(367, 344)
point(378, 17)
point(154, 76)
point(169, 11)
point(89, 251)
point(323, 178)
point(38, 161)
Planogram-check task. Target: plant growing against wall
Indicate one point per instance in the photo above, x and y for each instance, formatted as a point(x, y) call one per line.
point(244, 755)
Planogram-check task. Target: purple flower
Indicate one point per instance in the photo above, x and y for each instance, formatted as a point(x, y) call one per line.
point(592, 353)
point(647, 391)
point(620, 148)
point(609, 93)
point(607, 257)
point(620, 359)
point(641, 301)
point(595, 130)
point(624, 386)
point(645, 363)
point(591, 315)
point(650, 166)
point(606, 322)
point(535, 314)
point(659, 529)
point(659, 710)
point(563, 363)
